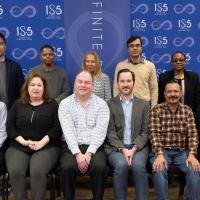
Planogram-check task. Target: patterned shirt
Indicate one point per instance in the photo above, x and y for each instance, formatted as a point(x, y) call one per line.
point(168, 130)
point(84, 125)
point(102, 87)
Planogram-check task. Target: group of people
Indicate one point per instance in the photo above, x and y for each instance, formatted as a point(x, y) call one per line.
point(89, 131)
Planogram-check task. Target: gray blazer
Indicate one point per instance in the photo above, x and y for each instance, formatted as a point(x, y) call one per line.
point(139, 132)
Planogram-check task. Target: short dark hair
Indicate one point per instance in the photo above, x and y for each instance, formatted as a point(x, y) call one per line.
point(176, 52)
point(171, 82)
point(124, 71)
point(3, 37)
point(46, 46)
point(133, 38)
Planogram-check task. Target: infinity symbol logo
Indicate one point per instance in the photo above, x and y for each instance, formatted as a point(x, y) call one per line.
point(141, 8)
point(189, 8)
point(48, 33)
point(5, 32)
point(166, 25)
point(29, 53)
point(156, 58)
point(188, 41)
point(28, 11)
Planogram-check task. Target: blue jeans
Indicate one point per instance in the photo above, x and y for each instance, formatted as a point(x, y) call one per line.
point(160, 178)
point(121, 169)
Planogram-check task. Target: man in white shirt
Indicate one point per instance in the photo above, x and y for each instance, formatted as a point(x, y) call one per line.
point(84, 120)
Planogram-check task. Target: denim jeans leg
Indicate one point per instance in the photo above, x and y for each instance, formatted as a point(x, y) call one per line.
point(120, 177)
point(140, 178)
point(192, 177)
point(160, 178)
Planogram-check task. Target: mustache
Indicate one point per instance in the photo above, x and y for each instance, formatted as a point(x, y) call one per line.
point(173, 97)
point(126, 87)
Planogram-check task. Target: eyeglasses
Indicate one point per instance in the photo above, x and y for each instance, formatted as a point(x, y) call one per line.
point(178, 60)
point(134, 45)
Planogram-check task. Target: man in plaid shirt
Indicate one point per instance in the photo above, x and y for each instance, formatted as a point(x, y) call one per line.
point(174, 141)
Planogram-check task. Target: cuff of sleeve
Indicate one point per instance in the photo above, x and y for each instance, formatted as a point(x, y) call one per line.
point(92, 149)
point(75, 150)
point(192, 151)
point(159, 151)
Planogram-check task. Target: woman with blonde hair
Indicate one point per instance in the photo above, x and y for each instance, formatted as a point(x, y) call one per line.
point(101, 83)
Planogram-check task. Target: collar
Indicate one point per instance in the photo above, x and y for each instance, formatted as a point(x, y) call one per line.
point(135, 63)
point(166, 107)
point(123, 101)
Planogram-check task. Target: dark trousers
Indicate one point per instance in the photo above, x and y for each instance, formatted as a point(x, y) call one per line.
point(97, 170)
point(40, 164)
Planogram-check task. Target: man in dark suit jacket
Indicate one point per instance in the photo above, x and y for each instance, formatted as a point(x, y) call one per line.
point(127, 138)
point(11, 76)
point(189, 82)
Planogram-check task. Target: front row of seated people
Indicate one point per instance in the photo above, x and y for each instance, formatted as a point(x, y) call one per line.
point(92, 129)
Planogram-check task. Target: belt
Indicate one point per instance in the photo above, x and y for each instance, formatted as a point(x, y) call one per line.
point(172, 148)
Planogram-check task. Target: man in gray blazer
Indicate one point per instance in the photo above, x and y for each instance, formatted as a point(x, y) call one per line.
point(127, 138)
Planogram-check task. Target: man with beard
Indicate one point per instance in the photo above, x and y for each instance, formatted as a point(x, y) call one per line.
point(145, 86)
point(174, 141)
point(127, 138)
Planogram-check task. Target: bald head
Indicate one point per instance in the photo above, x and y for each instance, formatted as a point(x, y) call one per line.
point(83, 85)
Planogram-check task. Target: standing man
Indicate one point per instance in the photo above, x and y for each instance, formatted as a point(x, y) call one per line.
point(11, 76)
point(174, 141)
point(127, 138)
point(55, 76)
point(84, 120)
point(146, 86)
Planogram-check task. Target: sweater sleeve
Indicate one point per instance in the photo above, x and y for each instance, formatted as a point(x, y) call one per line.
point(55, 132)
point(11, 128)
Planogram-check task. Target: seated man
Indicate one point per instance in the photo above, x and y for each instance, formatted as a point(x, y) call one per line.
point(127, 138)
point(84, 120)
point(174, 141)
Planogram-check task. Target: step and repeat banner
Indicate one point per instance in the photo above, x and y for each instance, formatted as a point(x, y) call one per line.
point(168, 26)
point(27, 25)
point(74, 27)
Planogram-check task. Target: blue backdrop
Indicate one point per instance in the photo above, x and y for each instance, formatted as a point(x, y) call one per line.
point(73, 27)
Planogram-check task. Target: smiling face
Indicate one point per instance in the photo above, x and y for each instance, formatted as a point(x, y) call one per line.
point(83, 85)
point(36, 89)
point(178, 62)
point(90, 63)
point(172, 93)
point(125, 84)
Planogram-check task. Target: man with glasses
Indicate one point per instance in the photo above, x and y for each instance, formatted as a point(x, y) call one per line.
point(146, 86)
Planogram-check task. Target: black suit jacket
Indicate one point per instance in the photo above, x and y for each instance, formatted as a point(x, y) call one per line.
point(14, 81)
point(192, 88)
